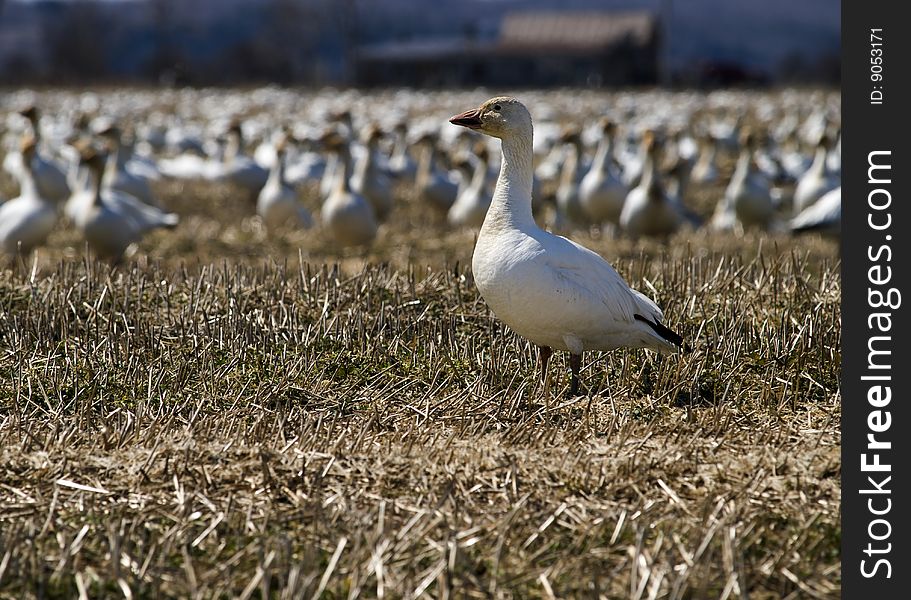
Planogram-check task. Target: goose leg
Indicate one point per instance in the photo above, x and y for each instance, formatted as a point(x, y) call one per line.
point(575, 364)
point(545, 353)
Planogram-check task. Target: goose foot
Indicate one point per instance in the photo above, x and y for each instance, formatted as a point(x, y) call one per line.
point(575, 364)
point(545, 352)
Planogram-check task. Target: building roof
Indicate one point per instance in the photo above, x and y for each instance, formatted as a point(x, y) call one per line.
point(420, 49)
point(574, 30)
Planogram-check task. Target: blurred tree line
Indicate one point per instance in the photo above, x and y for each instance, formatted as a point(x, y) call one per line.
point(178, 42)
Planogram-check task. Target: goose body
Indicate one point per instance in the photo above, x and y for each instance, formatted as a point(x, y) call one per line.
point(816, 181)
point(371, 181)
point(27, 220)
point(239, 169)
point(110, 220)
point(570, 212)
point(435, 187)
point(823, 216)
point(117, 177)
point(647, 209)
point(748, 194)
point(549, 289)
point(346, 214)
point(470, 207)
point(48, 176)
point(601, 191)
point(401, 165)
point(277, 203)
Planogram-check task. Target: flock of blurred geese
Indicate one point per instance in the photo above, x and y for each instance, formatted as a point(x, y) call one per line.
point(625, 163)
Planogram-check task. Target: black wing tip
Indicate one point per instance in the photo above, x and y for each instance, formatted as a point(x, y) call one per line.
point(665, 333)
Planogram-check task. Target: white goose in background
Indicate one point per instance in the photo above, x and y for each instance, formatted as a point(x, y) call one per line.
point(748, 197)
point(239, 169)
point(706, 169)
point(277, 202)
point(470, 207)
point(548, 289)
point(632, 160)
point(435, 187)
point(648, 210)
point(602, 192)
point(370, 180)
point(332, 167)
point(117, 177)
point(823, 216)
point(817, 180)
point(401, 165)
point(110, 221)
point(49, 177)
point(346, 214)
point(570, 213)
point(792, 160)
point(550, 167)
point(27, 220)
point(307, 165)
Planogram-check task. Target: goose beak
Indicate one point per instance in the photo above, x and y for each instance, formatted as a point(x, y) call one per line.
point(470, 119)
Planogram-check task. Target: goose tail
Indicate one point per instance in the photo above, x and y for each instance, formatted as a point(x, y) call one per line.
point(673, 341)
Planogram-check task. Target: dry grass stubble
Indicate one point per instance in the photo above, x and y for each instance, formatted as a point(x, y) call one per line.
point(195, 427)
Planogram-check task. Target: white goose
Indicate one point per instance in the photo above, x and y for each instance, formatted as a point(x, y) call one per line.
point(570, 212)
point(748, 195)
point(369, 179)
point(436, 187)
point(117, 177)
point(26, 221)
point(549, 289)
point(817, 180)
point(48, 176)
point(346, 214)
point(470, 207)
point(277, 203)
point(705, 170)
point(823, 216)
point(110, 220)
point(648, 210)
point(601, 192)
point(401, 165)
point(239, 169)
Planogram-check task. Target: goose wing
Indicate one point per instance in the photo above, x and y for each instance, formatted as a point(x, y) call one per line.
point(593, 287)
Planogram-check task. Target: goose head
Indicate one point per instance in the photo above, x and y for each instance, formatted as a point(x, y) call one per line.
point(27, 147)
point(608, 127)
point(281, 144)
point(501, 117)
point(372, 135)
point(31, 113)
point(94, 161)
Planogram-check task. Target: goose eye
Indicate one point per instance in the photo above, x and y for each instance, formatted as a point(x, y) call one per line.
point(496, 107)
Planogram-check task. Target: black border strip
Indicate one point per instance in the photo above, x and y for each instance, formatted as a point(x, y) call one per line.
point(868, 257)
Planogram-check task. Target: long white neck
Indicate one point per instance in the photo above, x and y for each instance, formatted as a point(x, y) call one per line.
point(479, 177)
point(744, 161)
point(511, 203)
point(570, 164)
point(113, 164)
point(27, 187)
point(365, 164)
point(600, 161)
point(277, 173)
point(819, 161)
point(343, 170)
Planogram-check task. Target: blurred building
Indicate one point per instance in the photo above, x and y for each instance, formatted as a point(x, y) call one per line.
point(533, 48)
